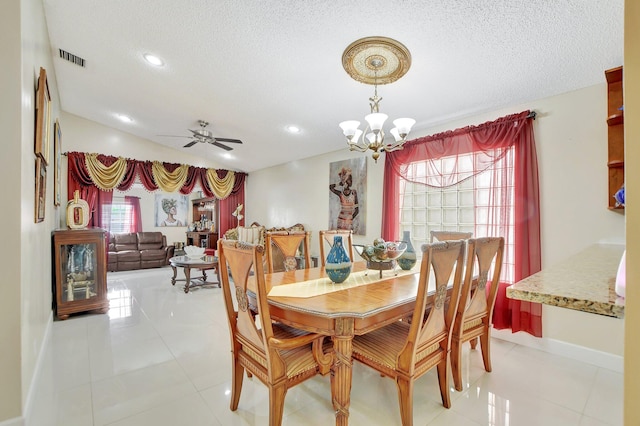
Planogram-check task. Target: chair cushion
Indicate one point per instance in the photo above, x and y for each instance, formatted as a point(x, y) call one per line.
point(383, 345)
point(252, 235)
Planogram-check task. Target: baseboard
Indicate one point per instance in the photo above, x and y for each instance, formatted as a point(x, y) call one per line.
point(569, 350)
point(35, 384)
point(16, 421)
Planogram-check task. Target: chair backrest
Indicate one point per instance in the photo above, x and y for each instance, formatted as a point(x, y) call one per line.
point(449, 235)
point(442, 262)
point(327, 237)
point(484, 263)
point(287, 243)
point(237, 259)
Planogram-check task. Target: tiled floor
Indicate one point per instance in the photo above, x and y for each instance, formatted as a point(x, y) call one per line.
point(161, 357)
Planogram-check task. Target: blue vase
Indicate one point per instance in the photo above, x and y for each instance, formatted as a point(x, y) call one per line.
point(338, 264)
point(408, 259)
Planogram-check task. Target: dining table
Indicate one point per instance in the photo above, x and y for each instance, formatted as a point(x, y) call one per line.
point(307, 299)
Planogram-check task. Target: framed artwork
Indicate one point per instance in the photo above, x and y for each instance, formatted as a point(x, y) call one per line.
point(57, 163)
point(171, 209)
point(43, 118)
point(41, 189)
point(348, 195)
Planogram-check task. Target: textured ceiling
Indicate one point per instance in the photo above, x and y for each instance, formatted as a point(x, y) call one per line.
point(251, 68)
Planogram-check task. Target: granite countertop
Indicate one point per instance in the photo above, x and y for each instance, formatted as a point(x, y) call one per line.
point(584, 282)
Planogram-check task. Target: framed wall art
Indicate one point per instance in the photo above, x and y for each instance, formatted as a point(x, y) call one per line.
point(43, 118)
point(57, 163)
point(348, 195)
point(41, 189)
point(171, 209)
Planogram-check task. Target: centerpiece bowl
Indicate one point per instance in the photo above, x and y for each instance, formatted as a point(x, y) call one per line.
point(382, 255)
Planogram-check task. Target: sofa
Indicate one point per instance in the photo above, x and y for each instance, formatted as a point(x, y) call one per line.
point(138, 250)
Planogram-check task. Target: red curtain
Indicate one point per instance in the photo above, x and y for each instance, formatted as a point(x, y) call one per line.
point(490, 142)
point(135, 220)
point(79, 178)
point(229, 204)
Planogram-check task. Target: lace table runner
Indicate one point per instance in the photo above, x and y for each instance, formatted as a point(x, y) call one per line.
point(325, 285)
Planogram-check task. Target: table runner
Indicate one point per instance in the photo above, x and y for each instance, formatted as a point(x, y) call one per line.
point(324, 285)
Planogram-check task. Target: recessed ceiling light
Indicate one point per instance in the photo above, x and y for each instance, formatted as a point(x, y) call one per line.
point(153, 59)
point(293, 129)
point(124, 118)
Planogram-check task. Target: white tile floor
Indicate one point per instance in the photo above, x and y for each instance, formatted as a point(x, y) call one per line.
point(161, 357)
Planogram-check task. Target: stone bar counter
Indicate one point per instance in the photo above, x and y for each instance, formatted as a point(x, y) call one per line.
point(584, 282)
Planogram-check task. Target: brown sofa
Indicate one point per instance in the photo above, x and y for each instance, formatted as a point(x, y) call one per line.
point(138, 250)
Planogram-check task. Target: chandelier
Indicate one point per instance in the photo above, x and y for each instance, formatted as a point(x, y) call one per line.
point(376, 60)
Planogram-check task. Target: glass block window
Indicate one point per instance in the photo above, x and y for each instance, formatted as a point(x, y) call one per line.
point(474, 205)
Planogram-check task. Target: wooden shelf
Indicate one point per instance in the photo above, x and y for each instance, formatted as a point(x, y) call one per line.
point(615, 119)
point(615, 131)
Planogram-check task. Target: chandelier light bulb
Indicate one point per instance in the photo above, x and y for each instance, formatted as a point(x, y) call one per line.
point(404, 125)
point(376, 121)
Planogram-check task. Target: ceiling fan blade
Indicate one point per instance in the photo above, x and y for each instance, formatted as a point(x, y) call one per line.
point(192, 143)
point(219, 145)
point(175, 136)
point(228, 140)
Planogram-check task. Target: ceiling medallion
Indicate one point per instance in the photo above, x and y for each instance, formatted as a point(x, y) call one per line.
point(376, 60)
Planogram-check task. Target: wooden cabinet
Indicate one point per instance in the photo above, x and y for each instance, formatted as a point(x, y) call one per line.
point(80, 282)
point(615, 124)
point(204, 239)
point(205, 209)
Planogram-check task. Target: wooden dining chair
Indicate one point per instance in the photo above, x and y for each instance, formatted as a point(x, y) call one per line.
point(287, 244)
point(477, 299)
point(279, 356)
point(449, 235)
point(405, 351)
point(327, 237)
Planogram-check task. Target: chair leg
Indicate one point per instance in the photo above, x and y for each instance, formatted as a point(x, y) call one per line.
point(456, 363)
point(405, 398)
point(443, 381)
point(473, 342)
point(276, 403)
point(236, 384)
point(485, 342)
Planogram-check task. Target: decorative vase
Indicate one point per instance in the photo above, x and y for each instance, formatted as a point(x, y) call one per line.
point(338, 265)
point(408, 258)
point(621, 276)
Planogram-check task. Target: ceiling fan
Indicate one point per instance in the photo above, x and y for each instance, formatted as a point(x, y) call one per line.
point(205, 136)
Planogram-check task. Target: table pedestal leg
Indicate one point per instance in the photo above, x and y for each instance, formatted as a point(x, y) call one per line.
point(187, 274)
point(175, 274)
point(341, 374)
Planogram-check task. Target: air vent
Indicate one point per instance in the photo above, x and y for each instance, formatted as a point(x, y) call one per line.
point(71, 57)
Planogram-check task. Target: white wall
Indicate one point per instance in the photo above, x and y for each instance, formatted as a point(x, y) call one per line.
point(11, 249)
point(571, 139)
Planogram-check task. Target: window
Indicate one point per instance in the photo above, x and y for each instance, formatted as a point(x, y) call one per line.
point(476, 204)
point(118, 217)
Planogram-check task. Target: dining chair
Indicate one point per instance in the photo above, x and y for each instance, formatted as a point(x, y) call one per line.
point(405, 351)
point(327, 237)
point(449, 235)
point(477, 299)
point(287, 244)
point(279, 356)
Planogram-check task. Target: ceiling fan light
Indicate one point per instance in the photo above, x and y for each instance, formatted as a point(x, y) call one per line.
point(404, 125)
point(376, 121)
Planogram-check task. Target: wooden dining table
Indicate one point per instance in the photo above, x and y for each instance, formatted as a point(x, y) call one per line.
point(342, 315)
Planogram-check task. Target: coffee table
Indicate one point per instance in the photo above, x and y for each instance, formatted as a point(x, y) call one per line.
point(202, 264)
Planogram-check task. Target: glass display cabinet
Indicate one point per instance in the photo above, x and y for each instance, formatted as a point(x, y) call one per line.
point(80, 271)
